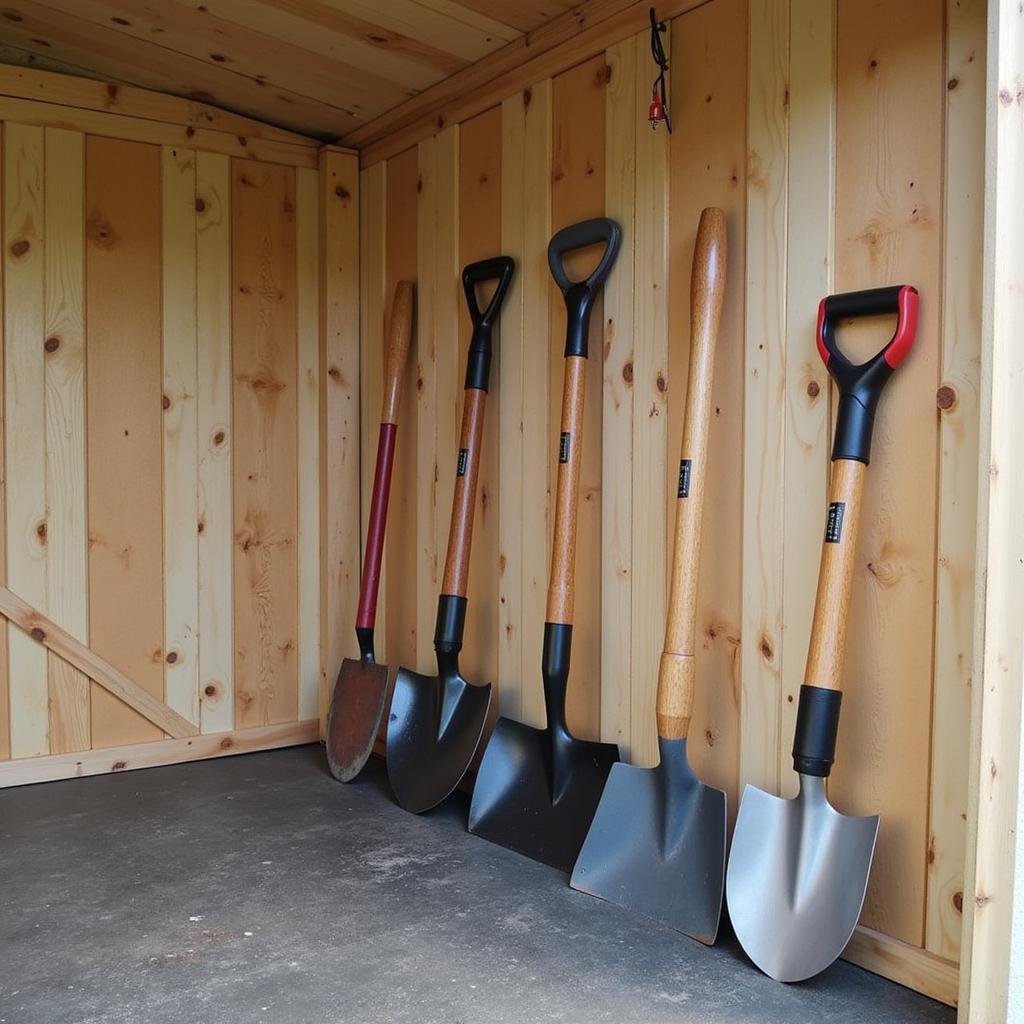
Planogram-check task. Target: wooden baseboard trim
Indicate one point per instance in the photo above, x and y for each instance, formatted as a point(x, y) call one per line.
point(907, 965)
point(53, 767)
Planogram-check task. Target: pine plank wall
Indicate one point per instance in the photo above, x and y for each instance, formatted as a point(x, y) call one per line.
point(192, 367)
point(848, 151)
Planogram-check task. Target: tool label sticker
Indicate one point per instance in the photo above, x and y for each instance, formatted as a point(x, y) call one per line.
point(463, 462)
point(563, 447)
point(834, 524)
point(684, 478)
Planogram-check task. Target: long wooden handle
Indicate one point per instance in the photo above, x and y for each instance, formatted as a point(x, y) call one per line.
point(835, 577)
point(562, 585)
point(397, 350)
point(707, 290)
point(460, 533)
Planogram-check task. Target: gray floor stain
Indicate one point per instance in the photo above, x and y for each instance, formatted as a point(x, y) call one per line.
point(258, 889)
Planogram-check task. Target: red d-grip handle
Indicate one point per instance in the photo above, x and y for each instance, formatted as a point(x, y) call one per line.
point(861, 386)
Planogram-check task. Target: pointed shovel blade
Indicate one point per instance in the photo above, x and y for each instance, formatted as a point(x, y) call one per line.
point(434, 728)
point(518, 802)
point(353, 721)
point(796, 881)
point(657, 845)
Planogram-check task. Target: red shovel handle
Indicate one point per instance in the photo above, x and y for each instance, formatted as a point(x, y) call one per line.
point(395, 359)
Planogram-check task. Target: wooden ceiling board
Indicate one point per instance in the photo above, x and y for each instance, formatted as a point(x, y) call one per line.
point(34, 29)
point(524, 15)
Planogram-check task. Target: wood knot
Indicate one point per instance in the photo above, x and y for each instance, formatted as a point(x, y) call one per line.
point(958, 902)
point(189, 131)
point(872, 64)
point(342, 193)
point(709, 736)
point(813, 389)
point(13, 16)
point(200, 204)
point(119, 766)
point(662, 385)
point(527, 98)
point(766, 648)
point(627, 373)
point(604, 74)
point(100, 232)
point(19, 248)
point(218, 58)
point(334, 373)
point(419, 184)
point(112, 90)
point(200, 526)
point(120, 21)
point(227, 743)
point(172, 657)
point(502, 562)
point(166, 401)
point(37, 634)
point(210, 690)
point(41, 531)
point(952, 83)
point(946, 397)
point(218, 438)
point(51, 344)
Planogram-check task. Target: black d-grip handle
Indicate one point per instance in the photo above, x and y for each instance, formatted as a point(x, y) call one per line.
point(500, 269)
point(579, 295)
point(861, 386)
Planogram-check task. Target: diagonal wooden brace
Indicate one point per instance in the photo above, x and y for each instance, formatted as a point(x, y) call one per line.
point(75, 653)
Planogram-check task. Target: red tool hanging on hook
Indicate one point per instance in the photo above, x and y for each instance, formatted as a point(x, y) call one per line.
point(658, 110)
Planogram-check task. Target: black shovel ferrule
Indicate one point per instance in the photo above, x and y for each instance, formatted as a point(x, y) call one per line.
point(555, 671)
point(451, 622)
point(580, 295)
point(860, 387)
point(501, 269)
point(817, 727)
point(364, 634)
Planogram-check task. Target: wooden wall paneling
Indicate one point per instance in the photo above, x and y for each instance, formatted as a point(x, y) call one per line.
point(402, 560)
point(373, 318)
point(957, 400)
point(480, 236)
point(622, 113)
point(577, 193)
point(764, 415)
point(532, 231)
point(264, 344)
point(992, 982)
point(438, 374)
point(888, 229)
point(24, 277)
point(809, 270)
point(67, 598)
point(124, 417)
point(180, 432)
point(307, 246)
point(5, 730)
point(339, 386)
point(215, 525)
point(709, 102)
point(651, 549)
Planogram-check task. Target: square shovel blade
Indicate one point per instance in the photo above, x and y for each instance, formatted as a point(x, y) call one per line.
point(433, 731)
point(536, 793)
point(797, 876)
point(353, 721)
point(657, 845)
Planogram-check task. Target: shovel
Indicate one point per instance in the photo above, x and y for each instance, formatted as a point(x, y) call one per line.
point(799, 869)
point(537, 789)
point(436, 721)
point(657, 843)
point(357, 704)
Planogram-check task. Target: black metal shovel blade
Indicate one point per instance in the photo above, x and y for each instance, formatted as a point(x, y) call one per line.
point(433, 731)
point(353, 720)
point(537, 793)
point(657, 845)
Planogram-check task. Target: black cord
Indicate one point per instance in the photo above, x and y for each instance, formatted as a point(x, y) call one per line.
point(658, 53)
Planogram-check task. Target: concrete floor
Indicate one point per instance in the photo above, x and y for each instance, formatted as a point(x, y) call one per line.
point(256, 888)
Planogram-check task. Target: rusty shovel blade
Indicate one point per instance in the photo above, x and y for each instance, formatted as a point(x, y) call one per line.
point(355, 715)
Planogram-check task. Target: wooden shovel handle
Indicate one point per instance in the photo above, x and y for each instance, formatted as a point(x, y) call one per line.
point(562, 585)
point(396, 351)
point(835, 577)
point(460, 533)
point(707, 290)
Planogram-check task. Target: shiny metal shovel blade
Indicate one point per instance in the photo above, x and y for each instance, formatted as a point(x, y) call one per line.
point(797, 876)
point(433, 731)
point(353, 721)
point(537, 793)
point(657, 845)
